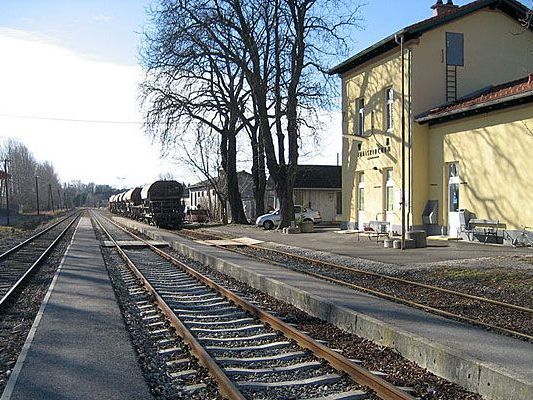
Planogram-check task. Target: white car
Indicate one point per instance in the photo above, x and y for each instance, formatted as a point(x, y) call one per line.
point(273, 218)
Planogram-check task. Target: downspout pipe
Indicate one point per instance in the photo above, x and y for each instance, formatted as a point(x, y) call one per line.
point(399, 38)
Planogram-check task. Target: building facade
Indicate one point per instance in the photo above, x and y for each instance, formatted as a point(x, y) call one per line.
point(455, 55)
point(203, 195)
point(315, 186)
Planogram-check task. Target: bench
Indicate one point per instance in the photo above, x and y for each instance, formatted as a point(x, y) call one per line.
point(375, 229)
point(488, 228)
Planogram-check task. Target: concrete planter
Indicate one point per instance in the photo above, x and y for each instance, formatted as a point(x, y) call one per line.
point(419, 237)
point(307, 227)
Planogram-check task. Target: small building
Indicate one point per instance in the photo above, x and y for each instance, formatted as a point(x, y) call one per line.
point(316, 186)
point(467, 129)
point(203, 195)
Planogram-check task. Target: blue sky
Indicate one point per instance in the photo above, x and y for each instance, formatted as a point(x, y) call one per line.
point(110, 28)
point(107, 29)
point(70, 60)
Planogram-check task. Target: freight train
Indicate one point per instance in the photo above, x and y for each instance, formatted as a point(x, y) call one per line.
point(158, 203)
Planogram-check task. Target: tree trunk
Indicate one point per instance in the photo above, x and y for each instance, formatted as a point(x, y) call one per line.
point(258, 170)
point(232, 183)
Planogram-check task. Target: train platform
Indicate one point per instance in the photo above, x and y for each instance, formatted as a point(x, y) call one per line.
point(78, 346)
point(496, 366)
point(352, 245)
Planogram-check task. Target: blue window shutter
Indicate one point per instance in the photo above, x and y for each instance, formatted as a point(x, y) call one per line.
point(455, 49)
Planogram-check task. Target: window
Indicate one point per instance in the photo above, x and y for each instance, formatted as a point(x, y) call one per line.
point(389, 109)
point(389, 191)
point(361, 192)
point(455, 49)
point(360, 128)
point(339, 202)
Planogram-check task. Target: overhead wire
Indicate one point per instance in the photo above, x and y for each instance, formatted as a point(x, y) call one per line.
point(79, 120)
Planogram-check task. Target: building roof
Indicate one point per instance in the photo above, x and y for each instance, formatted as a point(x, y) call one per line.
point(206, 184)
point(314, 177)
point(512, 8)
point(490, 98)
point(318, 177)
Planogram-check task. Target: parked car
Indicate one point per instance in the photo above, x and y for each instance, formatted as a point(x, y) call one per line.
point(273, 218)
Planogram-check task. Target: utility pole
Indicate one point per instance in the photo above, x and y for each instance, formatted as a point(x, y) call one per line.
point(37, 192)
point(400, 40)
point(58, 199)
point(50, 198)
point(7, 187)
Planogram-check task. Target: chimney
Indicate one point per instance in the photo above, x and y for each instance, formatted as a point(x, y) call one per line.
point(440, 9)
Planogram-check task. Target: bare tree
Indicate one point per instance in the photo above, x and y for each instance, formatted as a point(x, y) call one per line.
point(187, 83)
point(201, 155)
point(265, 56)
point(23, 168)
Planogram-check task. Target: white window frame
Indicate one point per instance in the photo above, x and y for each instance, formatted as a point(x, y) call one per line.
point(360, 107)
point(389, 109)
point(389, 195)
point(361, 192)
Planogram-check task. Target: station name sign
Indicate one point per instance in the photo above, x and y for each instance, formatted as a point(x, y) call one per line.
point(374, 152)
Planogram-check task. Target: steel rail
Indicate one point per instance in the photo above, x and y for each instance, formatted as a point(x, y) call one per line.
point(382, 388)
point(226, 386)
point(401, 280)
point(38, 262)
point(392, 278)
point(389, 296)
point(403, 301)
point(32, 238)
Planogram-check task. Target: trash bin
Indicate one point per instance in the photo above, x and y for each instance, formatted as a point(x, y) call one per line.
point(420, 238)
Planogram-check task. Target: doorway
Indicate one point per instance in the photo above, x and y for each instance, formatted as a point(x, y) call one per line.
point(454, 221)
point(361, 202)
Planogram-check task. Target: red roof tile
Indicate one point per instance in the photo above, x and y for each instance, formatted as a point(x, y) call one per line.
point(484, 96)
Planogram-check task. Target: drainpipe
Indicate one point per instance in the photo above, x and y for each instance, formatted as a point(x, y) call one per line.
point(410, 146)
point(399, 38)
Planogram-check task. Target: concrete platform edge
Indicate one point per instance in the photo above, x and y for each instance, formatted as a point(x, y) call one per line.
point(11, 383)
point(490, 381)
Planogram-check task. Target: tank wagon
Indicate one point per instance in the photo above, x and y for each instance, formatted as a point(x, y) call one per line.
point(158, 203)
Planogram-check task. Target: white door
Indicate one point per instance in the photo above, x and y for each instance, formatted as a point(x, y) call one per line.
point(454, 222)
point(361, 202)
point(389, 198)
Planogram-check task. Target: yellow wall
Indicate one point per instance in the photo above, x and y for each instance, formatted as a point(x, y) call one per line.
point(371, 83)
point(493, 54)
point(495, 161)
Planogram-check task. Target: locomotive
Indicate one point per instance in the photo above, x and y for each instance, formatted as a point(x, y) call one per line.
point(158, 203)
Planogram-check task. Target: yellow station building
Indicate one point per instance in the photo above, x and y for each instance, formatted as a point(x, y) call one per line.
point(467, 104)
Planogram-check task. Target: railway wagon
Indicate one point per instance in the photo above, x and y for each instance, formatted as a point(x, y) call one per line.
point(111, 205)
point(132, 201)
point(161, 204)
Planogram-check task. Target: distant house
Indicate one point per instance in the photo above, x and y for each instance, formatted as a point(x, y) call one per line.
point(203, 195)
point(185, 197)
point(315, 186)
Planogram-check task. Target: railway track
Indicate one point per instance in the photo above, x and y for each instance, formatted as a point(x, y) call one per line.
point(250, 353)
point(20, 262)
point(510, 319)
